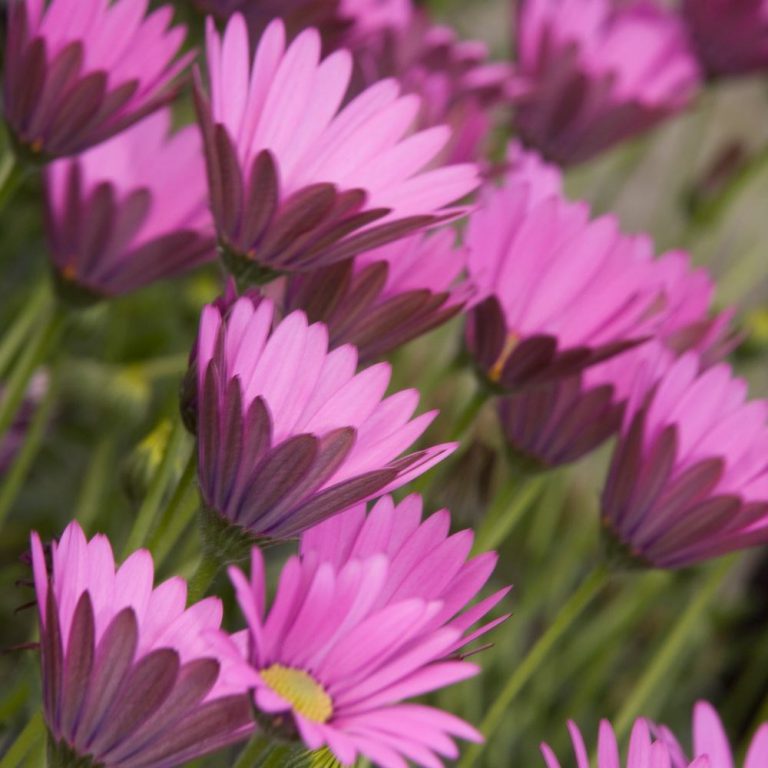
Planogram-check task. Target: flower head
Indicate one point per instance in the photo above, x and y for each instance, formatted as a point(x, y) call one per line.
point(689, 476)
point(730, 38)
point(131, 677)
point(288, 433)
point(384, 297)
point(592, 73)
point(130, 211)
point(298, 182)
point(710, 742)
point(79, 71)
point(645, 751)
point(370, 614)
point(558, 292)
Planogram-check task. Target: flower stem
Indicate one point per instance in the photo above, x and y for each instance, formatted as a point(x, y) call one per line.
point(255, 751)
point(178, 513)
point(12, 174)
point(467, 416)
point(35, 354)
point(571, 611)
point(33, 440)
point(147, 514)
point(206, 571)
point(33, 732)
point(23, 323)
point(92, 489)
point(672, 646)
point(508, 508)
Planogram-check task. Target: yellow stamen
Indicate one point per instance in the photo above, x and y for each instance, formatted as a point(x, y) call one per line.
point(498, 367)
point(69, 272)
point(307, 697)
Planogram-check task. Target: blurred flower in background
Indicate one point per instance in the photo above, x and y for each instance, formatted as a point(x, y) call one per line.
point(593, 73)
point(130, 211)
point(12, 441)
point(731, 38)
point(79, 71)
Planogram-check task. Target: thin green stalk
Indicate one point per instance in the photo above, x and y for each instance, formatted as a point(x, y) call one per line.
point(14, 478)
point(255, 751)
point(178, 513)
point(12, 174)
point(23, 323)
point(35, 354)
point(512, 501)
point(571, 611)
point(33, 732)
point(206, 571)
point(171, 366)
point(468, 415)
point(148, 511)
point(92, 493)
point(673, 645)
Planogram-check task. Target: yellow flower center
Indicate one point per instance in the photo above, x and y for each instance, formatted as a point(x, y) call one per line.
point(498, 367)
point(305, 695)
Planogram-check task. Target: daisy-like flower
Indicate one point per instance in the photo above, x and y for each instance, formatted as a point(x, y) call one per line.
point(79, 71)
point(130, 211)
point(711, 742)
point(689, 476)
point(645, 751)
point(593, 73)
point(731, 38)
point(559, 422)
point(296, 181)
point(382, 298)
point(288, 433)
point(11, 442)
point(370, 614)
point(557, 291)
point(130, 676)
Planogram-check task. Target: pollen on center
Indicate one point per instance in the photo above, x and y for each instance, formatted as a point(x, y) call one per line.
point(305, 694)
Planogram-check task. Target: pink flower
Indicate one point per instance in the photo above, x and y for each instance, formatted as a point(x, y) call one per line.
point(370, 614)
point(131, 677)
point(689, 476)
point(558, 292)
point(384, 297)
point(711, 742)
point(731, 38)
point(644, 750)
point(288, 433)
point(130, 211)
point(593, 73)
point(457, 84)
point(79, 71)
point(12, 441)
point(298, 182)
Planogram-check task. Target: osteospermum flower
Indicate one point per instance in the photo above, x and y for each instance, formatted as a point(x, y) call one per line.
point(645, 751)
point(130, 211)
point(79, 71)
point(384, 297)
point(711, 742)
point(365, 618)
point(689, 476)
point(131, 677)
point(592, 73)
point(288, 433)
point(556, 291)
point(297, 182)
point(731, 38)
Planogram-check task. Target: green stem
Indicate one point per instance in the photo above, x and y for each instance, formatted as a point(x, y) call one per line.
point(467, 416)
point(178, 513)
point(147, 514)
point(171, 366)
point(92, 492)
point(508, 508)
point(33, 440)
point(673, 645)
point(571, 611)
point(206, 571)
point(35, 354)
point(33, 732)
point(12, 174)
point(255, 751)
point(13, 338)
